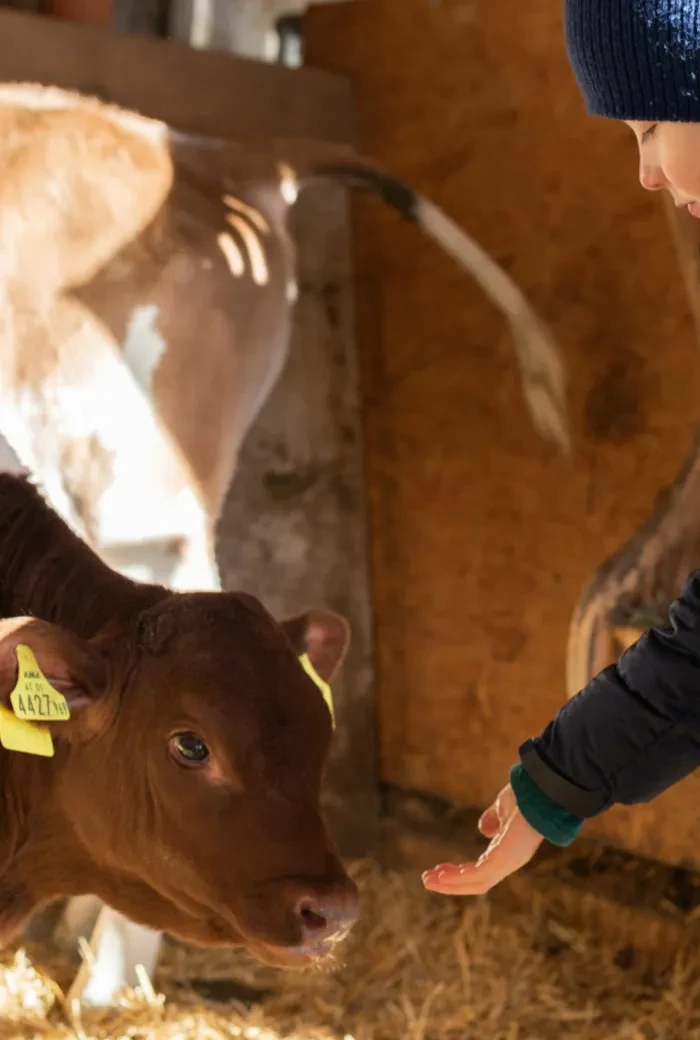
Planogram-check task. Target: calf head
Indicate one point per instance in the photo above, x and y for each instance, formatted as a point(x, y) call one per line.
point(185, 787)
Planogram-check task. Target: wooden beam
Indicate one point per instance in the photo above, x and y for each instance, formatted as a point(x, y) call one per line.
point(201, 91)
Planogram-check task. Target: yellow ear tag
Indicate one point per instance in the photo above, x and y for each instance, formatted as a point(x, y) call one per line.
point(34, 698)
point(18, 735)
point(325, 689)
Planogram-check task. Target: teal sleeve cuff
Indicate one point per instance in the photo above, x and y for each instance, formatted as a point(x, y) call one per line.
point(557, 825)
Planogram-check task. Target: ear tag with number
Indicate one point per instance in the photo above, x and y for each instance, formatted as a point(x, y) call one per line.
point(34, 698)
point(18, 735)
point(325, 689)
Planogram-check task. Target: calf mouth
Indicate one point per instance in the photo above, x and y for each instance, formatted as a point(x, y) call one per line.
point(320, 956)
point(296, 957)
point(217, 934)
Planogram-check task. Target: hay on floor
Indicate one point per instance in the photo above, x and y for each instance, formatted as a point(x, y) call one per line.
point(420, 968)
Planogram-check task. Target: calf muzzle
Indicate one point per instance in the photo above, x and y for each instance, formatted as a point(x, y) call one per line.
point(325, 919)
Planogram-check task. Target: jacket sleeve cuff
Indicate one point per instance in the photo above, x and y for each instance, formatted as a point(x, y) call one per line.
point(564, 793)
point(557, 825)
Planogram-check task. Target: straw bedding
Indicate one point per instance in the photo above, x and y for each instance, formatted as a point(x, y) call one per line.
point(420, 968)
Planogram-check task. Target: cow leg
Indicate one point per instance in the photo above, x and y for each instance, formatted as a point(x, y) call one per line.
point(77, 921)
point(118, 947)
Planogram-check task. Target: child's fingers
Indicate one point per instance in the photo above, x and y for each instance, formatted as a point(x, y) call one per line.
point(490, 824)
point(467, 879)
point(444, 878)
point(447, 870)
point(509, 850)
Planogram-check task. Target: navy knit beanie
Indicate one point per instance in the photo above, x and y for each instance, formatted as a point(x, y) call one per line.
point(636, 59)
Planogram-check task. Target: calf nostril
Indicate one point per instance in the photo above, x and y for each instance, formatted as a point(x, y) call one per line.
point(311, 919)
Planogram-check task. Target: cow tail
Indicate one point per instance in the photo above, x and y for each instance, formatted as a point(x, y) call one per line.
point(542, 368)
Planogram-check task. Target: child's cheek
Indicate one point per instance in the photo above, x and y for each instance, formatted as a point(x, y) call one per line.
point(680, 158)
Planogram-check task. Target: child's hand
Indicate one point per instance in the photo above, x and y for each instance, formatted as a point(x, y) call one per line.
point(513, 843)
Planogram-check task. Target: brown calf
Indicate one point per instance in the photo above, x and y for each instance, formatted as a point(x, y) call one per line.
point(185, 787)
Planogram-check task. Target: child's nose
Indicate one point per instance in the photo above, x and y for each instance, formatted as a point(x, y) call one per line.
point(652, 177)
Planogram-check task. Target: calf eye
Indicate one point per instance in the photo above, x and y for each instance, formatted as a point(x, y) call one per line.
point(188, 749)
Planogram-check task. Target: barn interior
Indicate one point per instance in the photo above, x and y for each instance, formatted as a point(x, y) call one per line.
point(395, 474)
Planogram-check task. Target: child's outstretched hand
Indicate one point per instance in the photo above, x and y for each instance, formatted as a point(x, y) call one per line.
point(513, 843)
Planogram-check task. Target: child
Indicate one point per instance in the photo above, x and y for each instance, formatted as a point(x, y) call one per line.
point(635, 729)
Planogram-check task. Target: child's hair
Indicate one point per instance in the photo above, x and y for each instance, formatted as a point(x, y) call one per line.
point(636, 59)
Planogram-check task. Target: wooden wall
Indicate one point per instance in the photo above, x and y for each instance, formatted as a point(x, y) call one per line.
point(481, 535)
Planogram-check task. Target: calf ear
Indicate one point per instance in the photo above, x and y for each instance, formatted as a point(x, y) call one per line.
point(324, 636)
point(70, 665)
